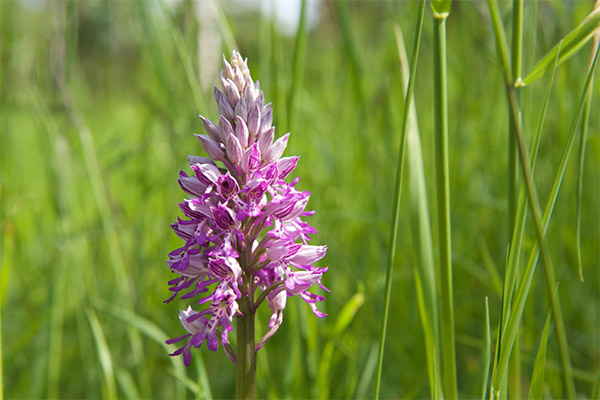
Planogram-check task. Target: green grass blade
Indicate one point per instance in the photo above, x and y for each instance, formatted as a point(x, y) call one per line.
point(351, 50)
point(537, 378)
point(424, 267)
point(596, 388)
point(582, 148)
point(224, 26)
point(367, 374)
point(346, 315)
point(487, 351)
point(297, 64)
point(186, 59)
point(571, 43)
point(500, 35)
point(103, 354)
point(519, 227)
point(525, 284)
point(204, 391)
point(149, 329)
point(442, 174)
point(127, 384)
point(397, 197)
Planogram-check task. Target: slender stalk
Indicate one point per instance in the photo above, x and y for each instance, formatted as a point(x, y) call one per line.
point(246, 354)
point(517, 46)
point(424, 268)
point(547, 262)
point(397, 197)
point(246, 351)
point(298, 63)
point(440, 104)
point(582, 146)
point(513, 177)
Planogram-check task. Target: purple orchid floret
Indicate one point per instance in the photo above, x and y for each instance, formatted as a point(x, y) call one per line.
point(243, 228)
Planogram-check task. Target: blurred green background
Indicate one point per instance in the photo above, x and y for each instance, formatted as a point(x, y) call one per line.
point(98, 106)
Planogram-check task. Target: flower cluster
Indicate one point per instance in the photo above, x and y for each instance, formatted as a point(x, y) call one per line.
point(243, 229)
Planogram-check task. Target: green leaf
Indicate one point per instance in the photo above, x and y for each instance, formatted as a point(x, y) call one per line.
point(596, 389)
point(487, 350)
point(441, 8)
point(348, 313)
point(149, 329)
point(537, 379)
point(571, 43)
point(103, 354)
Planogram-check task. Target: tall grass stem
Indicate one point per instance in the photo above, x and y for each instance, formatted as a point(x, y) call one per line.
point(424, 268)
point(397, 198)
point(442, 174)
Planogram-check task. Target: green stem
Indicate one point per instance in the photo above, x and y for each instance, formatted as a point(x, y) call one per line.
point(440, 103)
point(246, 355)
point(534, 203)
point(397, 197)
point(513, 176)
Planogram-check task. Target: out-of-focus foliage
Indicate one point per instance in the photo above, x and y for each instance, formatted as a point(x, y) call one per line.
point(98, 104)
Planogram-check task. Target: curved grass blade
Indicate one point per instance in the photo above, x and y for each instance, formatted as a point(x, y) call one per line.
point(397, 195)
point(525, 285)
point(103, 354)
point(514, 254)
point(571, 43)
point(127, 385)
point(149, 329)
point(344, 318)
point(537, 379)
point(582, 148)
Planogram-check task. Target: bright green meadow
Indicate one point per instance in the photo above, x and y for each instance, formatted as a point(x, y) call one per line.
point(99, 101)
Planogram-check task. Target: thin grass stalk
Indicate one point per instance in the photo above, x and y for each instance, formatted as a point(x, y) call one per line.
point(279, 109)
point(525, 283)
point(540, 232)
point(186, 59)
point(397, 198)
point(103, 354)
point(534, 204)
point(513, 177)
point(487, 350)
point(297, 64)
point(440, 104)
point(424, 268)
point(351, 50)
point(582, 148)
point(518, 233)
point(224, 26)
point(516, 56)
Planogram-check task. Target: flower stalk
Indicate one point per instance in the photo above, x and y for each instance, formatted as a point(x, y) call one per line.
point(246, 353)
point(440, 105)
